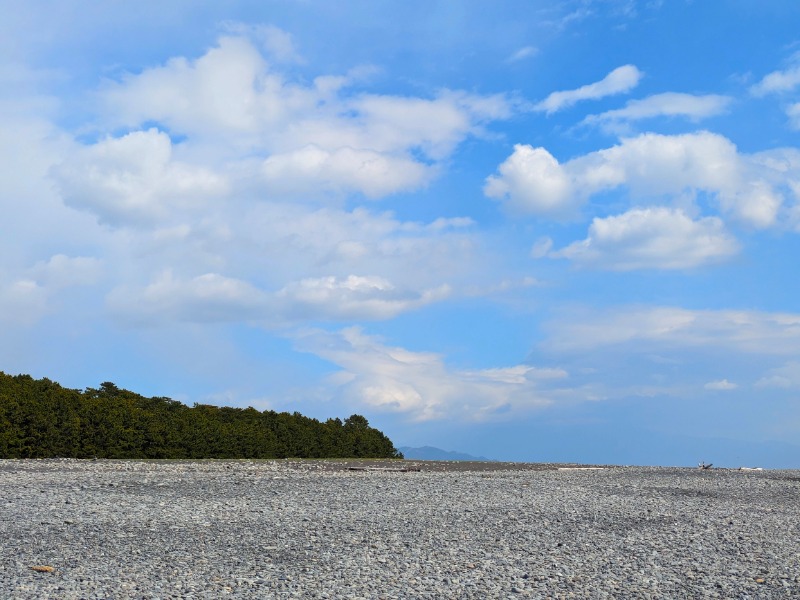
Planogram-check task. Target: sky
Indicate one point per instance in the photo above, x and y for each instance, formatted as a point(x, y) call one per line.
point(532, 231)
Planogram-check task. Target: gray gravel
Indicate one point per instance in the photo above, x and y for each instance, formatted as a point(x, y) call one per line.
point(312, 529)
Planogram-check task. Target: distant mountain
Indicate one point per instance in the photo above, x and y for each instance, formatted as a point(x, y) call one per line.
point(431, 453)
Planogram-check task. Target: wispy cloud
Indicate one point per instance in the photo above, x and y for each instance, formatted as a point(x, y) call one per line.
point(215, 298)
point(522, 54)
point(353, 297)
point(793, 112)
point(748, 332)
point(721, 385)
point(620, 80)
point(278, 43)
point(669, 104)
point(780, 81)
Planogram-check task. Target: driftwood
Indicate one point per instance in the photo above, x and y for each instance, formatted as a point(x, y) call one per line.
point(750, 469)
point(390, 469)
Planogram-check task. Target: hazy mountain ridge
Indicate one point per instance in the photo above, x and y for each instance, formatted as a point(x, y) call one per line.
point(432, 453)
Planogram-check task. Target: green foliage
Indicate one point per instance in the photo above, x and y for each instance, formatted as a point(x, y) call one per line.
point(41, 419)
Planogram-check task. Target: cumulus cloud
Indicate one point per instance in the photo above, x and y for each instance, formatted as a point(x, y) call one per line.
point(354, 297)
point(651, 238)
point(318, 135)
point(532, 180)
point(223, 175)
point(133, 179)
point(420, 384)
point(227, 90)
point(620, 80)
point(670, 104)
point(750, 187)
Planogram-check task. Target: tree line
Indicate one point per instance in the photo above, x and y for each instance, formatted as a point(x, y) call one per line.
point(41, 419)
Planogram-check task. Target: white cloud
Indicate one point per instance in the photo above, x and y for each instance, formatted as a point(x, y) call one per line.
point(278, 43)
point(353, 297)
point(229, 89)
point(532, 181)
point(62, 271)
point(722, 385)
point(29, 296)
point(502, 287)
point(295, 238)
point(208, 298)
point(783, 82)
point(212, 298)
point(31, 208)
point(620, 80)
point(523, 53)
point(344, 170)
point(434, 127)
point(235, 195)
point(134, 180)
point(233, 104)
point(793, 112)
point(749, 332)
point(419, 384)
point(22, 302)
point(779, 81)
point(651, 238)
point(669, 104)
point(786, 376)
point(541, 247)
point(747, 187)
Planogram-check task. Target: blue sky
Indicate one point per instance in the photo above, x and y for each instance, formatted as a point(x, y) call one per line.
point(526, 230)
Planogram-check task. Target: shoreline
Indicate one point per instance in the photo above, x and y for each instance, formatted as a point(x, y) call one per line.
point(313, 529)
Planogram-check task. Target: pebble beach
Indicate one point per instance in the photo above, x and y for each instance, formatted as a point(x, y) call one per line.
point(393, 529)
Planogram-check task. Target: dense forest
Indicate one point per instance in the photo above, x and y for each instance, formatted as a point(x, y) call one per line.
point(41, 419)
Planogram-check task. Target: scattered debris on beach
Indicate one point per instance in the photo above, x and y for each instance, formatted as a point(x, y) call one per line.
point(389, 469)
point(581, 468)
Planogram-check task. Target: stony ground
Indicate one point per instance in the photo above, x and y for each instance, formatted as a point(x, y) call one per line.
point(314, 529)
